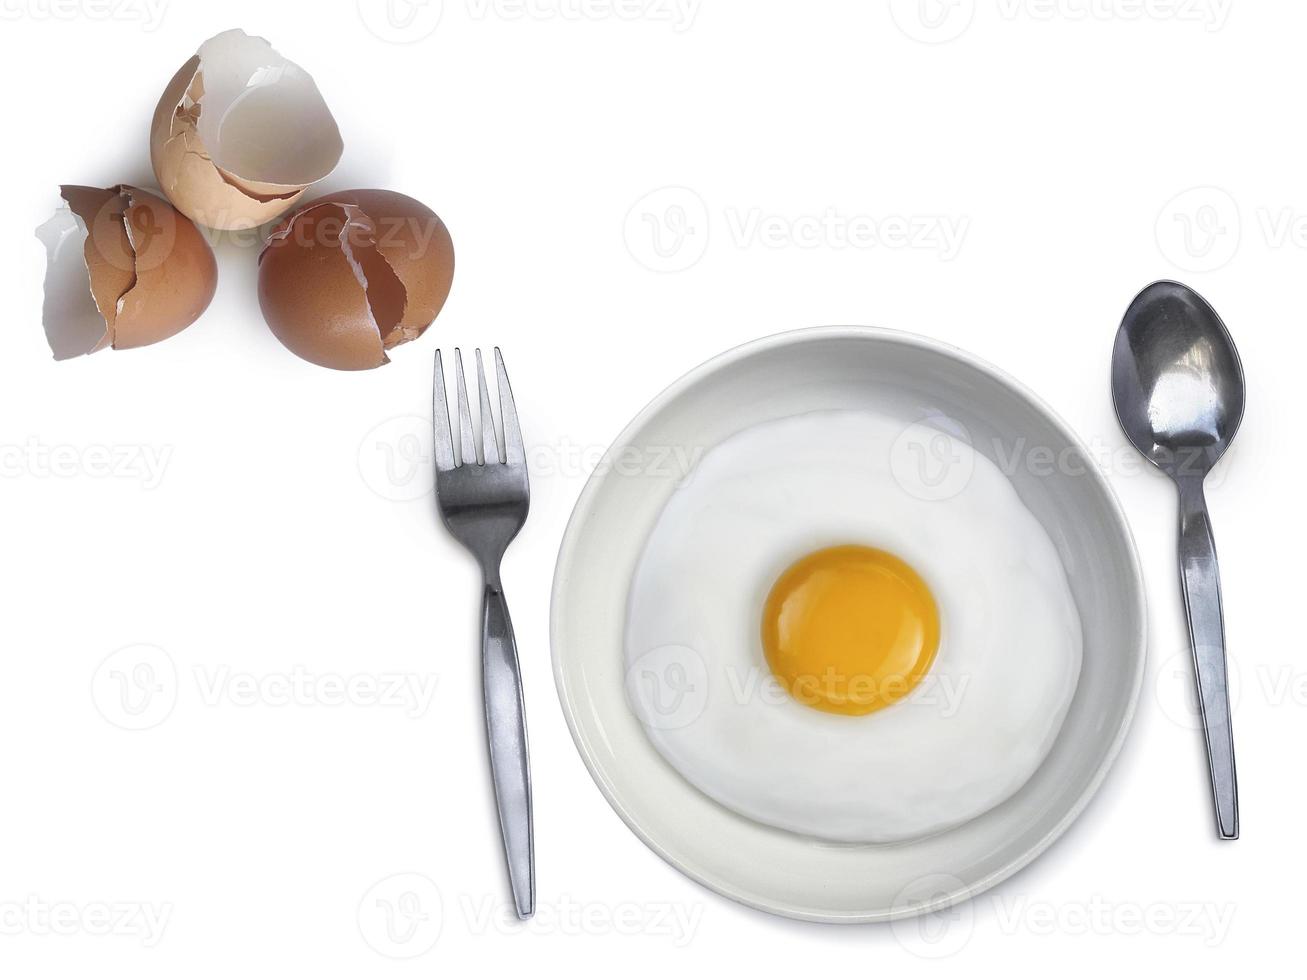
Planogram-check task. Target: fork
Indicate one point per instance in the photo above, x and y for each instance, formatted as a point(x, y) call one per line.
point(483, 498)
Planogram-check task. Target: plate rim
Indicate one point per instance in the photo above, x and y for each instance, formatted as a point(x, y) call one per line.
point(584, 505)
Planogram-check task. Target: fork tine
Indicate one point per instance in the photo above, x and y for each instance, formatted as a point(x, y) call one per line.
point(440, 418)
point(489, 444)
point(467, 452)
point(514, 452)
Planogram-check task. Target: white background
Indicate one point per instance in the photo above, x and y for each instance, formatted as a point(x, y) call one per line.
point(251, 534)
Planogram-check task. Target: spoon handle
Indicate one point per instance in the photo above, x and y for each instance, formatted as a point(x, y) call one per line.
point(1201, 585)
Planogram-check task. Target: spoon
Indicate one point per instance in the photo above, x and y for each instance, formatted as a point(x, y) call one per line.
point(1179, 393)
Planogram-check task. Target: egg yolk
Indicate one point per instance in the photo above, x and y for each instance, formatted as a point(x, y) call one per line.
point(849, 629)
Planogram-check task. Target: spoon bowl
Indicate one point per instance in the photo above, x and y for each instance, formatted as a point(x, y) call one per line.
point(1176, 380)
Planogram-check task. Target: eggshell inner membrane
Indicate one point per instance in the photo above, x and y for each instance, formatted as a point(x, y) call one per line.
point(255, 105)
point(73, 323)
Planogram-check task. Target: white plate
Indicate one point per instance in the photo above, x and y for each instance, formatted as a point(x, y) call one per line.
point(913, 378)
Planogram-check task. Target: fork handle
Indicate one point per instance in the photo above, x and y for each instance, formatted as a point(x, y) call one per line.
point(1201, 585)
point(506, 731)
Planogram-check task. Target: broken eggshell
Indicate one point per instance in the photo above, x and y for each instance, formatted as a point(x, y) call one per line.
point(123, 269)
point(354, 274)
point(240, 133)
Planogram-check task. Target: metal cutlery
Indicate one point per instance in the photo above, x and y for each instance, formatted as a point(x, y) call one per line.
point(483, 497)
point(1178, 388)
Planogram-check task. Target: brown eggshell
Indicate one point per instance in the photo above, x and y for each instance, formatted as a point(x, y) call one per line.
point(353, 274)
point(417, 245)
point(295, 141)
point(107, 251)
point(176, 275)
point(149, 271)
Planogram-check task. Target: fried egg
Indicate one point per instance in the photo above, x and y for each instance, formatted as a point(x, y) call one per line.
point(827, 642)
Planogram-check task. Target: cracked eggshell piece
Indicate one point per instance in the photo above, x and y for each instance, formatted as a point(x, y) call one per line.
point(353, 274)
point(72, 318)
point(176, 275)
point(124, 269)
point(240, 133)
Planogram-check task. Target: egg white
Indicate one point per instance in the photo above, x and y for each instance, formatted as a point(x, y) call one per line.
point(967, 737)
